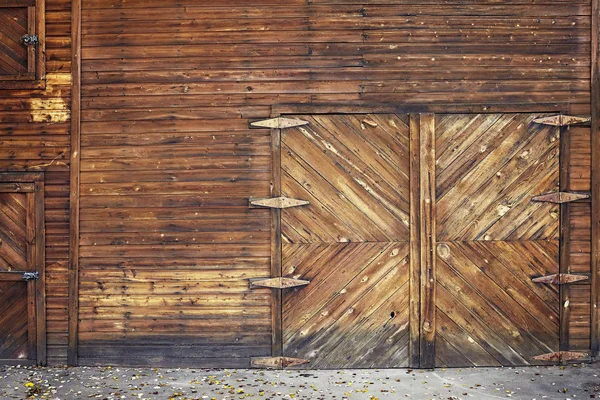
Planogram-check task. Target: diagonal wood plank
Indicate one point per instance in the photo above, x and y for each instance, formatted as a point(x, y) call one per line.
point(355, 173)
point(483, 291)
point(356, 308)
point(485, 193)
point(13, 54)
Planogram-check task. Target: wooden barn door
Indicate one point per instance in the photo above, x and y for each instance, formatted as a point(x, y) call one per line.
point(421, 240)
point(22, 320)
point(492, 239)
point(352, 242)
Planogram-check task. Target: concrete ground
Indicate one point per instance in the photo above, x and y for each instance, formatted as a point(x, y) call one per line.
point(574, 381)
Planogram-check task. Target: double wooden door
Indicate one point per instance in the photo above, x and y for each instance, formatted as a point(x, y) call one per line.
point(420, 241)
point(22, 315)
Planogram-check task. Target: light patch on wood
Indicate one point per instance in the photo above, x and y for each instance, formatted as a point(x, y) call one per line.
point(443, 251)
point(502, 209)
point(51, 110)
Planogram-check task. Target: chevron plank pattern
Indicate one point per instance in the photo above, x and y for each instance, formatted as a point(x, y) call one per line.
point(489, 313)
point(355, 312)
point(13, 55)
point(354, 171)
point(488, 168)
point(13, 232)
point(351, 242)
point(14, 338)
point(13, 321)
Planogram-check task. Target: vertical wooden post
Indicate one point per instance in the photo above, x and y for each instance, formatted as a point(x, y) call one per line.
point(564, 238)
point(595, 108)
point(276, 302)
point(427, 238)
point(74, 181)
point(40, 264)
point(415, 243)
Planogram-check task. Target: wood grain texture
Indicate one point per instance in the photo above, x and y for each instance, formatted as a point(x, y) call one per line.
point(74, 181)
point(23, 309)
point(168, 90)
point(34, 131)
point(351, 242)
point(488, 169)
point(595, 177)
point(493, 240)
point(428, 238)
point(489, 313)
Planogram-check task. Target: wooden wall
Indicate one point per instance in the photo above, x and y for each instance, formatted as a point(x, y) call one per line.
point(168, 163)
point(34, 136)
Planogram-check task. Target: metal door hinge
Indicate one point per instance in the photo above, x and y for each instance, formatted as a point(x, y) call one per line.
point(560, 197)
point(560, 356)
point(28, 276)
point(278, 202)
point(30, 40)
point(278, 283)
point(278, 123)
point(562, 120)
point(560, 279)
point(277, 362)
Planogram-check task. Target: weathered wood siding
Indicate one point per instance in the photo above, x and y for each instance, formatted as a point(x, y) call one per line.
point(34, 136)
point(168, 163)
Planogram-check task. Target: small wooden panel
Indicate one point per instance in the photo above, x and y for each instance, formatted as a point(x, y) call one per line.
point(489, 312)
point(355, 179)
point(13, 54)
point(488, 168)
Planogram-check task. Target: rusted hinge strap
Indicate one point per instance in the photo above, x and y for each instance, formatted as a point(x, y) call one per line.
point(560, 197)
point(278, 123)
point(560, 356)
point(277, 362)
point(278, 283)
point(562, 120)
point(560, 279)
point(278, 202)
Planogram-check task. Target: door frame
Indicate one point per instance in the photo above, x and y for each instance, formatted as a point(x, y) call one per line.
point(32, 183)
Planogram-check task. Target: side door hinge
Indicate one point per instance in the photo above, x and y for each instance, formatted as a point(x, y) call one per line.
point(30, 40)
point(278, 123)
point(277, 362)
point(560, 279)
point(560, 197)
point(561, 356)
point(278, 202)
point(278, 283)
point(28, 276)
point(562, 120)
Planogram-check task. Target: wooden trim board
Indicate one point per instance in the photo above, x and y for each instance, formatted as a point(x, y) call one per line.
point(74, 182)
